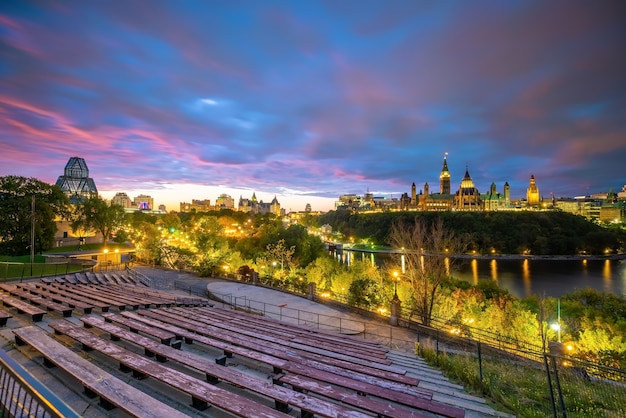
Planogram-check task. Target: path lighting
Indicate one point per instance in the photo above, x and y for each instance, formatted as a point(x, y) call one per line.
point(557, 327)
point(395, 284)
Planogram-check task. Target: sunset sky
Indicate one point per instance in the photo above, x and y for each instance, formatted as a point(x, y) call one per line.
point(310, 99)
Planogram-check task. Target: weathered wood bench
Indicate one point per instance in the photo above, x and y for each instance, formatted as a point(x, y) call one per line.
point(96, 382)
point(87, 291)
point(55, 297)
point(282, 397)
point(307, 338)
point(91, 278)
point(136, 327)
point(104, 307)
point(202, 393)
point(276, 338)
point(81, 279)
point(4, 317)
point(354, 368)
point(66, 311)
point(281, 360)
point(22, 307)
point(70, 279)
point(382, 409)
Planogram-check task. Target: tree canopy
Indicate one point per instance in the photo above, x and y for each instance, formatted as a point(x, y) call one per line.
point(16, 198)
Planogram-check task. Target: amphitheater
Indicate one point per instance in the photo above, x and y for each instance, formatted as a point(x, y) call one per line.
point(107, 345)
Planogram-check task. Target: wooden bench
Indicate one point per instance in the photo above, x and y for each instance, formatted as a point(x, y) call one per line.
point(22, 307)
point(55, 297)
point(202, 393)
point(136, 327)
point(66, 311)
point(281, 361)
point(275, 338)
point(363, 369)
point(96, 382)
point(294, 335)
point(382, 409)
point(87, 291)
point(70, 279)
point(81, 279)
point(4, 317)
point(77, 297)
point(214, 372)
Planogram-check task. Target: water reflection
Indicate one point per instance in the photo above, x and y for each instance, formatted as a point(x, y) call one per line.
point(526, 277)
point(529, 276)
point(474, 264)
point(494, 270)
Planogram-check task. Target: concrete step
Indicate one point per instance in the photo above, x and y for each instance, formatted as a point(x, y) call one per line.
point(443, 390)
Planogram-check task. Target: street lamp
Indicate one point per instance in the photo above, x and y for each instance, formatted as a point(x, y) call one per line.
point(395, 285)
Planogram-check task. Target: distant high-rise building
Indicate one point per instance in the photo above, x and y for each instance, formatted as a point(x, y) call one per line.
point(532, 193)
point(75, 182)
point(224, 201)
point(122, 199)
point(143, 202)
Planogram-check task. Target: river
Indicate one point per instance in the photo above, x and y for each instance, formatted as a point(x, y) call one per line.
point(526, 277)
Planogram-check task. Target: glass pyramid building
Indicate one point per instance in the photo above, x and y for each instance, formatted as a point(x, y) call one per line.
point(75, 182)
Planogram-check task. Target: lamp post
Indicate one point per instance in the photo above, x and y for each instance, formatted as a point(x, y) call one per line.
point(395, 302)
point(106, 253)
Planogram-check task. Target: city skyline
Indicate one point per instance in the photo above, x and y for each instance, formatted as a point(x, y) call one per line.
point(307, 101)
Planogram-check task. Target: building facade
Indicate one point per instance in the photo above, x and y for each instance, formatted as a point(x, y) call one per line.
point(75, 181)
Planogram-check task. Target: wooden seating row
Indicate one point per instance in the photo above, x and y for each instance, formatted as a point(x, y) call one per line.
point(4, 316)
point(282, 362)
point(112, 391)
point(61, 290)
point(202, 393)
point(305, 339)
point(33, 299)
point(36, 314)
point(304, 349)
point(375, 348)
point(282, 397)
point(55, 297)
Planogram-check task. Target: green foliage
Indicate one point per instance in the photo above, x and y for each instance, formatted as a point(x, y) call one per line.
point(94, 214)
point(539, 233)
point(16, 195)
point(364, 293)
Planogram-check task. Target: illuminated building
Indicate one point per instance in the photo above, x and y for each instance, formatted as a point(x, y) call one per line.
point(252, 205)
point(467, 198)
point(143, 202)
point(224, 201)
point(122, 199)
point(532, 193)
point(497, 201)
point(75, 182)
point(444, 177)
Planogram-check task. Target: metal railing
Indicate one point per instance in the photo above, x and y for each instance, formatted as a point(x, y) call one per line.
point(21, 395)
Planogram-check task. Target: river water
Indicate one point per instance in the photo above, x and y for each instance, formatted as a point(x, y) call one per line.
point(528, 277)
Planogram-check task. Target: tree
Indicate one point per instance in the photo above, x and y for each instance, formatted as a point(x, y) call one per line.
point(427, 249)
point(281, 255)
point(95, 214)
point(16, 198)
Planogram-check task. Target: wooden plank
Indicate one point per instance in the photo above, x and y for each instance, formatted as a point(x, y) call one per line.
point(85, 290)
point(23, 307)
point(136, 326)
point(278, 357)
point(385, 409)
point(201, 392)
point(70, 279)
point(61, 290)
point(294, 335)
point(4, 317)
point(66, 311)
point(55, 297)
point(280, 395)
point(111, 390)
point(81, 279)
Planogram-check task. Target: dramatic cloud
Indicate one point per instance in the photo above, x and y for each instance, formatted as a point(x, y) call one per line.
point(310, 100)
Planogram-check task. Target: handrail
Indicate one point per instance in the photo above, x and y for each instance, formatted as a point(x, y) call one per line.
point(27, 393)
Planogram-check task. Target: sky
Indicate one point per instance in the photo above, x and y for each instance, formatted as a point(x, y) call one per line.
point(310, 99)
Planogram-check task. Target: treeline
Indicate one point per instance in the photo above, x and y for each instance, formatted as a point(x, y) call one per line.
point(537, 233)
